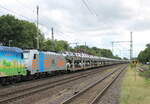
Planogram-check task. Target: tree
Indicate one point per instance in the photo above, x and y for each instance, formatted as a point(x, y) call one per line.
point(148, 45)
point(21, 33)
point(48, 45)
point(125, 58)
point(56, 45)
point(61, 45)
point(6, 29)
point(144, 56)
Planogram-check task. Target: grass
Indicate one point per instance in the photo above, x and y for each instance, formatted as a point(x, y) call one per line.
point(135, 91)
point(145, 66)
point(145, 73)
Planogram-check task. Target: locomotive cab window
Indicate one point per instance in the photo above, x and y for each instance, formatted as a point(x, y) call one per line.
point(34, 57)
point(21, 56)
point(25, 55)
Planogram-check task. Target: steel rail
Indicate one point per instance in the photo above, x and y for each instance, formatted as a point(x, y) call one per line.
point(69, 100)
point(100, 95)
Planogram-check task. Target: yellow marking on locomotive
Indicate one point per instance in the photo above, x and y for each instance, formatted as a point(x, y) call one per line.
point(34, 64)
point(47, 63)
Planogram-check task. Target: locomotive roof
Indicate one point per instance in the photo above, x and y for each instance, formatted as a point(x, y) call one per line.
point(11, 49)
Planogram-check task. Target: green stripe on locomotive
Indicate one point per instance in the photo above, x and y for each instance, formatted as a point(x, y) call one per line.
point(11, 62)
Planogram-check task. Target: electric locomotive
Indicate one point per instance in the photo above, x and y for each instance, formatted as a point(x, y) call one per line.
point(11, 64)
point(39, 62)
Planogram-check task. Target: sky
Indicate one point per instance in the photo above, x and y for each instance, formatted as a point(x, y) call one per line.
point(94, 22)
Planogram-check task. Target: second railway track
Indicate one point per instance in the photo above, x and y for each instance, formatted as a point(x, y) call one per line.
point(92, 93)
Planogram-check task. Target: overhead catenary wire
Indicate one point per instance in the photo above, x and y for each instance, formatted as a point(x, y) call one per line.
point(15, 12)
point(24, 5)
point(92, 11)
point(25, 17)
point(65, 34)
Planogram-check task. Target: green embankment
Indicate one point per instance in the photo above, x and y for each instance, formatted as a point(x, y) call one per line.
point(135, 90)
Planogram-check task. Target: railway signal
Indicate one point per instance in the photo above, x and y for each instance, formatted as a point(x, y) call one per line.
point(134, 62)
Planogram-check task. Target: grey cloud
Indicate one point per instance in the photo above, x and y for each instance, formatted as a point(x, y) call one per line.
point(109, 14)
point(139, 25)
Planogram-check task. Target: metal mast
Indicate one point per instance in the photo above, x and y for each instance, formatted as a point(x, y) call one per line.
point(37, 26)
point(52, 33)
point(53, 41)
point(131, 47)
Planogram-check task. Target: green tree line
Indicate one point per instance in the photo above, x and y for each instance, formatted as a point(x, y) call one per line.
point(144, 56)
point(23, 34)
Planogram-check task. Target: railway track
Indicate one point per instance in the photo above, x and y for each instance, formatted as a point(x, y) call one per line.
point(5, 92)
point(12, 96)
point(36, 82)
point(90, 95)
point(21, 85)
